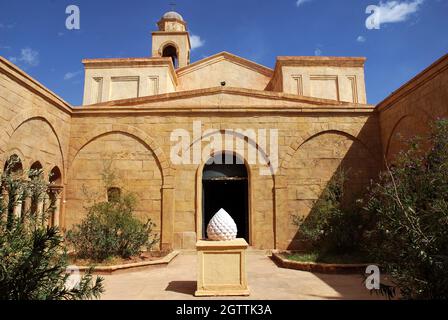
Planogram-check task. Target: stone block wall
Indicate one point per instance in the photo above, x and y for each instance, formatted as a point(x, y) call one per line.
point(411, 109)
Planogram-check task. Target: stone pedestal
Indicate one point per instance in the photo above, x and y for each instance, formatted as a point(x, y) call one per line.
point(222, 268)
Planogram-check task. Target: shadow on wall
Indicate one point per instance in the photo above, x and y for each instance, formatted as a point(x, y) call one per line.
point(318, 161)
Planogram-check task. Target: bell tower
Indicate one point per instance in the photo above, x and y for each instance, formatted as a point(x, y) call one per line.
point(172, 39)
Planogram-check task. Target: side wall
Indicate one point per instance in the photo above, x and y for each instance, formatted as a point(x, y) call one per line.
point(409, 111)
point(34, 123)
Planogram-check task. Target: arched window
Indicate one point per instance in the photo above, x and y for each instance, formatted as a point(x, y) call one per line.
point(35, 170)
point(55, 176)
point(113, 194)
point(171, 51)
point(13, 166)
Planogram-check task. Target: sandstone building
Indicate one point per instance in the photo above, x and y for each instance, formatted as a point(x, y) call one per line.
point(315, 106)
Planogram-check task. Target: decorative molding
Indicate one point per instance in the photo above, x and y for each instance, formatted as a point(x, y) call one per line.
point(333, 78)
point(124, 79)
point(96, 89)
point(299, 82)
point(153, 85)
point(357, 62)
point(354, 86)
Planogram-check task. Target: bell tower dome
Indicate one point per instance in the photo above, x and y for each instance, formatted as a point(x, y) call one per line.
point(172, 39)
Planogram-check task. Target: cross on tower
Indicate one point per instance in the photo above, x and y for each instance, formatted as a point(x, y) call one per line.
point(172, 5)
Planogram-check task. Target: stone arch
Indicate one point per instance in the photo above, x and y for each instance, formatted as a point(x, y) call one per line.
point(304, 175)
point(397, 125)
point(26, 116)
point(302, 139)
point(37, 167)
point(248, 140)
point(56, 176)
point(260, 196)
point(18, 167)
point(166, 169)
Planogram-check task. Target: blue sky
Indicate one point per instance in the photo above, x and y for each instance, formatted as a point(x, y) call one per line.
point(412, 34)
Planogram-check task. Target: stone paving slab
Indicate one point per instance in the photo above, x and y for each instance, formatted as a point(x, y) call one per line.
point(266, 282)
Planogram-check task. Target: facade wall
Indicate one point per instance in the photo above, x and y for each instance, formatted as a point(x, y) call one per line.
point(356, 138)
point(212, 73)
point(335, 83)
point(313, 140)
point(410, 110)
point(118, 82)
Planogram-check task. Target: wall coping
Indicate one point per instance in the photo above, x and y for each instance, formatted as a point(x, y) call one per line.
point(104, 63)
point(419, 80)
point(25, 80)
point(272, 95)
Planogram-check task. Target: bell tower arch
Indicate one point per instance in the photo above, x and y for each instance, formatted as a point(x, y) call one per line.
point(172, 39)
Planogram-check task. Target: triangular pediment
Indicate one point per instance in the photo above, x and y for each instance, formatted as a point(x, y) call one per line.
point(224, 67)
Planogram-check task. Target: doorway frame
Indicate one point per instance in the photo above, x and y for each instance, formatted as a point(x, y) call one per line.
point(199, 189)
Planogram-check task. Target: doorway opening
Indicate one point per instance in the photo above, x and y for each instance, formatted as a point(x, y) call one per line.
point(226, 186)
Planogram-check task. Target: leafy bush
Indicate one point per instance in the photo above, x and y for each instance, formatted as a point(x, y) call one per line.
point(111, 230)
point(409, 206)
point(33, 260)
point(334, 225)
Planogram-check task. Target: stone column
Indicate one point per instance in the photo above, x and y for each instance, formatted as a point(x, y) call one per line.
point(17, 206)
point(167, 228)
point(57, 192)
point(5, 203)
point(26, 205)
point(40, 209)
point(47, 206)
point(281, 216)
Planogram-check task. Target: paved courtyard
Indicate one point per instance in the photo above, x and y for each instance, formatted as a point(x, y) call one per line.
point(266, 281)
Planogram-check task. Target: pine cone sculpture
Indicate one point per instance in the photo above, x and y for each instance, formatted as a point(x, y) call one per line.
point(221, 227)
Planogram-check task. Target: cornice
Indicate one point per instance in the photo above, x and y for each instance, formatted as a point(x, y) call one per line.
point(28, 82)
point(439, 66)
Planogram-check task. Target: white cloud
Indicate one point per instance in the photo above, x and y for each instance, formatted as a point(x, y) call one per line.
point(361, 39)
point(28, 56)
point(196, 41)
point(300, 2)
point(396, 11)
point(71, 75)
point(317, 52)
point(5, 47)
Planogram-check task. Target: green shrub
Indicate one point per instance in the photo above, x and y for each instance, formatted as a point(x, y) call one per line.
point(110, 230)
point(409, 206)
point(33, 259)
point(335, 225)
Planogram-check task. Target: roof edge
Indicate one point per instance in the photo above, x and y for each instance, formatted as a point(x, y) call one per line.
point(20, 76)
point(420, 79)
point(227, 90)
point(131, 62)
point(268, 72)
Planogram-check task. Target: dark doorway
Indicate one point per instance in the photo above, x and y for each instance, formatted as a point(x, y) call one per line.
point(171, 52)
point(226, 186)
